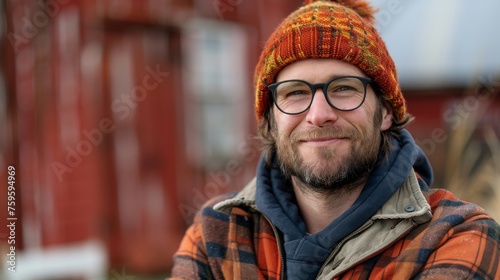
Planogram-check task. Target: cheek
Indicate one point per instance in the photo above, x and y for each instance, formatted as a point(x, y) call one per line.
point(285, 124)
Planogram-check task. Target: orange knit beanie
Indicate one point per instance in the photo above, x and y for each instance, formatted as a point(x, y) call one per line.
point(341, 29)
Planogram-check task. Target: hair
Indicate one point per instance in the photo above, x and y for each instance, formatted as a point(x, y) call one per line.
point(267, 124)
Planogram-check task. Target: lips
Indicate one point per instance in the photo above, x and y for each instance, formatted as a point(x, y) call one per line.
point(323, 139)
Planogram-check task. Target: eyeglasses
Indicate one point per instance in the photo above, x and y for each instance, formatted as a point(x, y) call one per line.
point(344, 93)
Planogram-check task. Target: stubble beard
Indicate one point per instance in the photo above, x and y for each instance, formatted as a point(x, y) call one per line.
point(333, 171)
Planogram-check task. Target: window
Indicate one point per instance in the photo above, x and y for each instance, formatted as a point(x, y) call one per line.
point(217, 90)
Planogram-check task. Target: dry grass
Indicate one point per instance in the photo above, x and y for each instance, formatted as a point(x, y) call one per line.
point(472, 169)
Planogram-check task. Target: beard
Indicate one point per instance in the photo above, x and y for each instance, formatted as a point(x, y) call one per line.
point(331, 170)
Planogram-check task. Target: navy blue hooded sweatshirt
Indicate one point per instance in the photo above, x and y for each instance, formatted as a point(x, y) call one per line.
point(304, 253)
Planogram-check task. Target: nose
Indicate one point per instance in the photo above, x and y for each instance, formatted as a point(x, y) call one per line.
point(320, 113)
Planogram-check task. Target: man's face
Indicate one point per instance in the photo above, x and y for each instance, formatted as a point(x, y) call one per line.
point(323, 147)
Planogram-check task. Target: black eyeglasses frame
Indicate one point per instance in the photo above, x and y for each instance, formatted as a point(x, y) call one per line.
point(324, 86)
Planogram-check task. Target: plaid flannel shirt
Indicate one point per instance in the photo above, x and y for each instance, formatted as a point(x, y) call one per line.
point(442, 238)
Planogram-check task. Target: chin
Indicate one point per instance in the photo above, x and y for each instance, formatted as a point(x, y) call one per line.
point(324, 154)
point(320, 164)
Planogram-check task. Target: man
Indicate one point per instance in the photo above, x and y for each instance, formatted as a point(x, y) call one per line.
point(341, 191)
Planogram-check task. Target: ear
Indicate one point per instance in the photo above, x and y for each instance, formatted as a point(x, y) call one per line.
point(387, 117)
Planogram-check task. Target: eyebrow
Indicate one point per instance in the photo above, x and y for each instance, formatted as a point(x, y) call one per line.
point(295, 82)
point(331, 77)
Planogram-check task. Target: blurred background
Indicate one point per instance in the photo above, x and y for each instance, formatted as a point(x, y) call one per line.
point(121, 117)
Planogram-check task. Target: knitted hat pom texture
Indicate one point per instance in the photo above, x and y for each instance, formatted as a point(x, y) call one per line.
point(335, 29)
point(361, 7)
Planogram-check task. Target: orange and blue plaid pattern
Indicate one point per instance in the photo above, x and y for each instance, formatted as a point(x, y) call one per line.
point(460, 242)
point(217, 246)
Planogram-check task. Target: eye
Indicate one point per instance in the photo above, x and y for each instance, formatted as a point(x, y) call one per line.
point(344, 88)
point(297, 93)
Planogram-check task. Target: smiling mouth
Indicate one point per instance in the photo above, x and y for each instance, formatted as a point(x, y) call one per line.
point(322, 137)
point(323, 141)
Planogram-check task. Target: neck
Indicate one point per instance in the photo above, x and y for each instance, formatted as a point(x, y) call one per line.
point(319, 209)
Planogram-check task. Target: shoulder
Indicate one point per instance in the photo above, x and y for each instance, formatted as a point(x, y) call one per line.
point(445, 203)
point(225, 202)
point(461, 239)
point(207, 209)
point(202, 240)
point(454, 216)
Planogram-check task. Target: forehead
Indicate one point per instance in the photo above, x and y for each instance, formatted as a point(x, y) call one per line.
point(318, 70)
